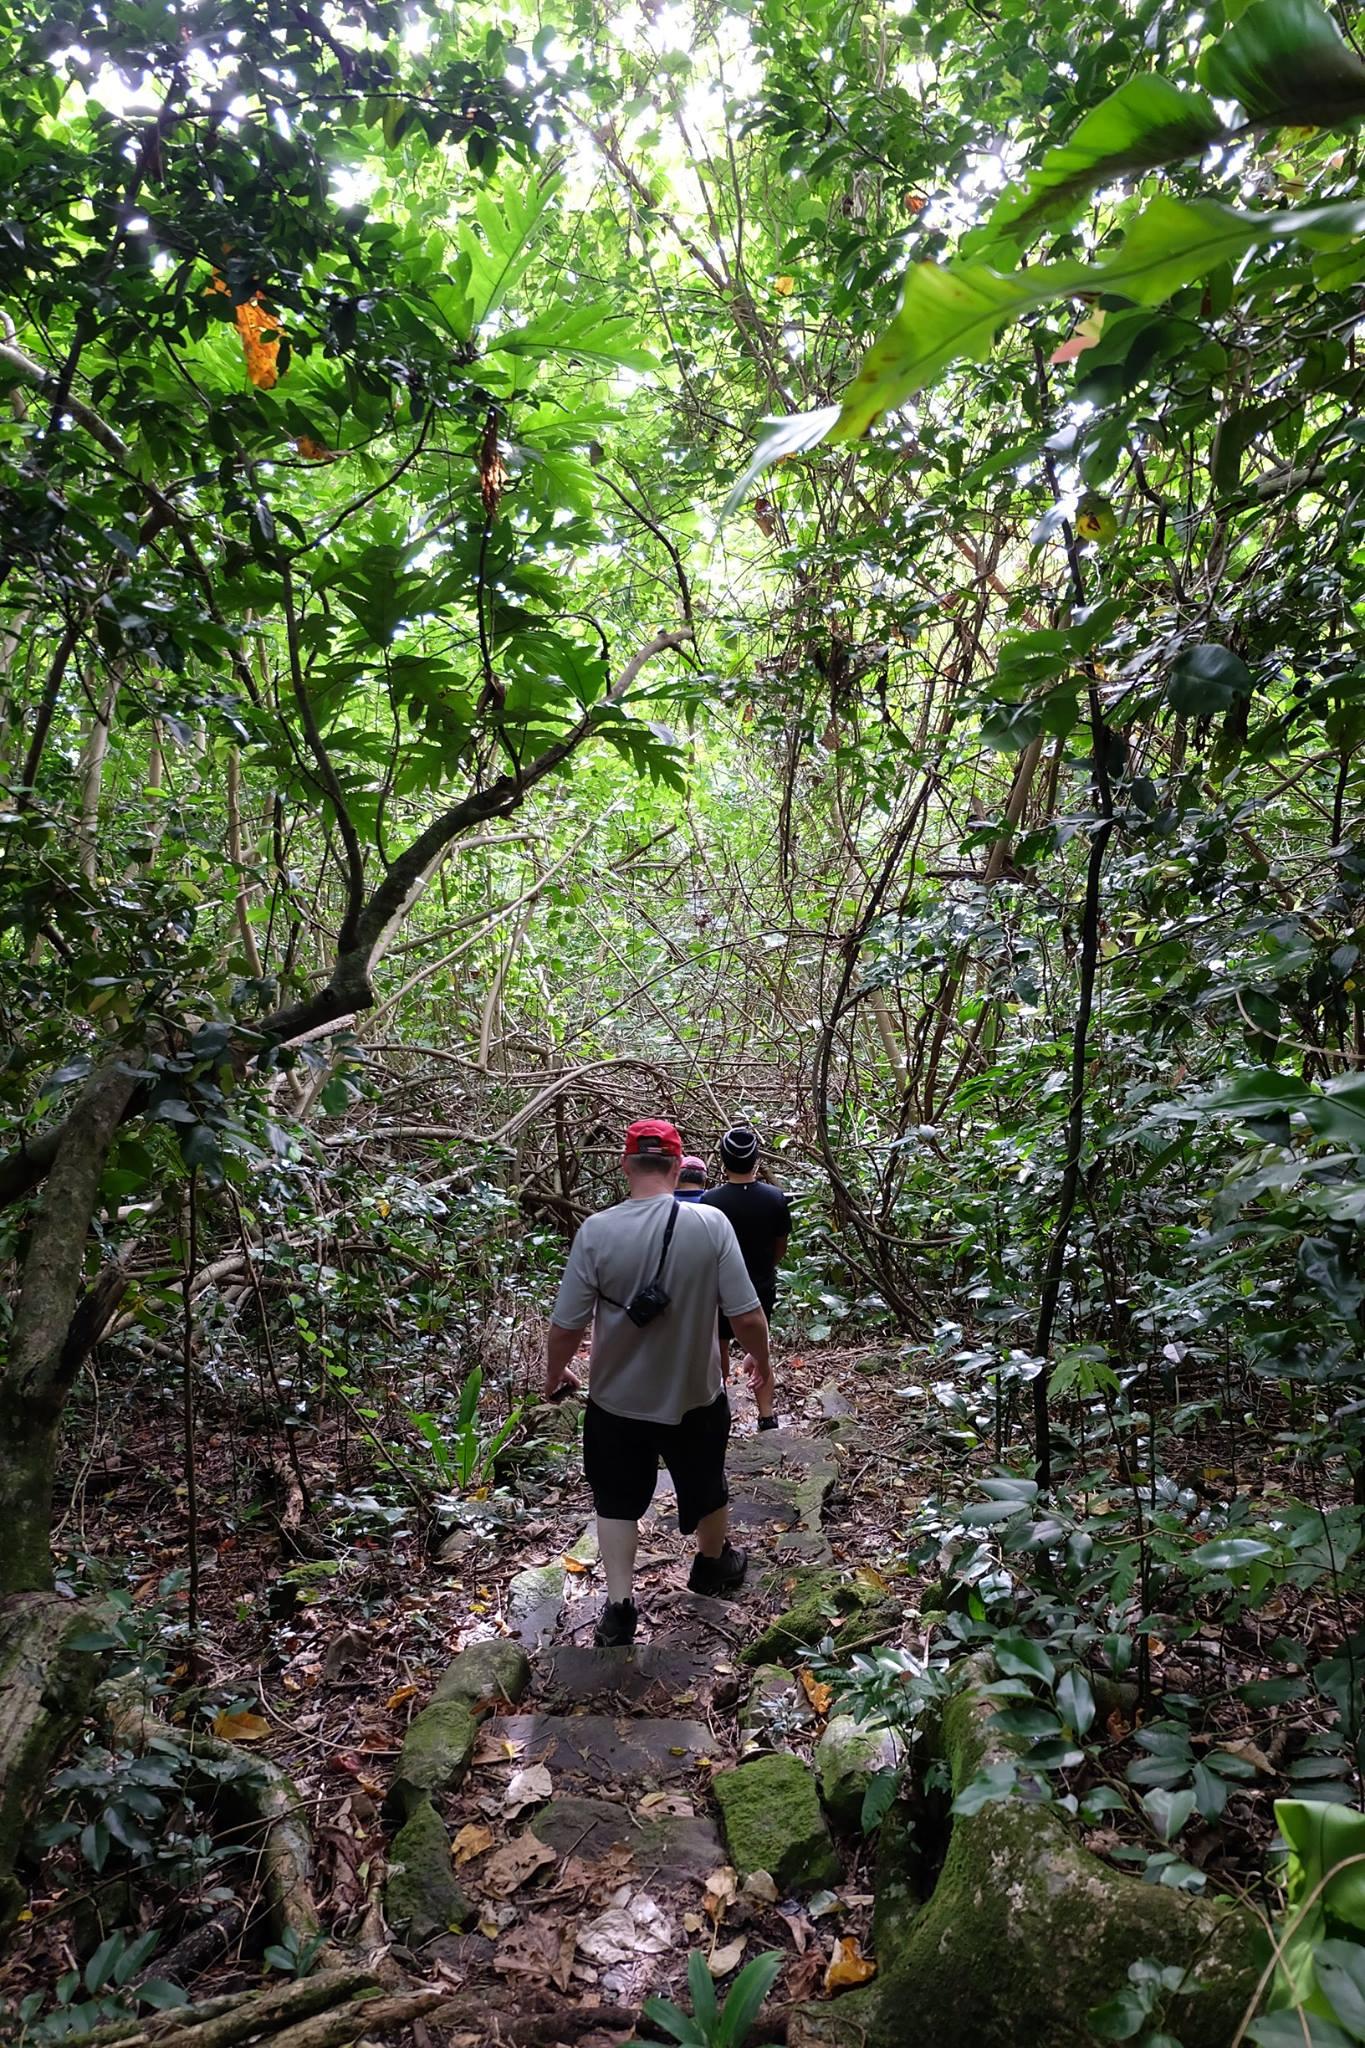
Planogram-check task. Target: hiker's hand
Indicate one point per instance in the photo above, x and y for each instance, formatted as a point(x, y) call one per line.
point(760, 1377)
point(561, 1386)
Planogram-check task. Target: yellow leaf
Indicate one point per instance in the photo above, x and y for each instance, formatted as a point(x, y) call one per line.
point(848, 1966)
point(819, 1695)
point(241, 1727)
point(784, 286)
point(396, 1699)
point(382, 1208)
point(472, 1840)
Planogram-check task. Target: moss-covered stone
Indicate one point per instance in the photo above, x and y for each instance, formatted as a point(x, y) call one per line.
point(823, 1597)
point(847, 1757)
point(493, 1670)
point(773, 1822)
point(532, 1588)
point(775, 1708)
point(436, 1752)
point(421, 1897)
point(1025, 1931)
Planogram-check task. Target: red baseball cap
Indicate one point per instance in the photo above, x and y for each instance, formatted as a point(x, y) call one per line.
point(651, 1137)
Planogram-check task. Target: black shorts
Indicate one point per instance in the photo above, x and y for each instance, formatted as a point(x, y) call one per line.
point(621, 1457)
point(767, 1301)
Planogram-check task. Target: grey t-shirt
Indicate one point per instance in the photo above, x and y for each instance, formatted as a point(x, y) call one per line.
point(656, 1373)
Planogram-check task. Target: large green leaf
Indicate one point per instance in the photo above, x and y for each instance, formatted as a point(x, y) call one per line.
point(951, 311)
point(1145, 123)
point(1206, 679)
point(1285, 60)
point(499, 245)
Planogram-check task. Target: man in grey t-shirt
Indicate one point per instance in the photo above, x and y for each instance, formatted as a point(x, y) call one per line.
point(655, 1381)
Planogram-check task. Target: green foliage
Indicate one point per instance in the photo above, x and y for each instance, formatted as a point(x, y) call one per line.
point(711, 2024)
point(100, 1993)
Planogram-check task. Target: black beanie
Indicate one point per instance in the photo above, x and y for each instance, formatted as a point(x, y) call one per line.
point(739, 1148)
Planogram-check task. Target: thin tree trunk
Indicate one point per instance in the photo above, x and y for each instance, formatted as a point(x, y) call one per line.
point(51, 1334)
point(93, 755)
point(245, 892)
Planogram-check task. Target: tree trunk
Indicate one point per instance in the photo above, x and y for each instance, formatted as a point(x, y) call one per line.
point(51, 1334)
point(45, 1686)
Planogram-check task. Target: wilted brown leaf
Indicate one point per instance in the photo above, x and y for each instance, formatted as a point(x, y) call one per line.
point(243, 1727)
point(508, 1868)
point(473, 1840)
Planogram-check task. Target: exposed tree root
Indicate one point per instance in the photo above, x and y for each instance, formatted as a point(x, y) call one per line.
point(257, 1799)
point(45, 1686)
point(1025, 1930)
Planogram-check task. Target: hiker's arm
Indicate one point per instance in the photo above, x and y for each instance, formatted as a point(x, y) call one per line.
point(559, 1354)
point(751, 1328)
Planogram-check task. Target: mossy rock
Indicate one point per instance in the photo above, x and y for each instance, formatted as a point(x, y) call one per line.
point(824, 1596)
point(421, 1897)
point(436, 1753)
point(494, 1670)
point(848, 1756)
point(773, 1822)
point(1025, 1931)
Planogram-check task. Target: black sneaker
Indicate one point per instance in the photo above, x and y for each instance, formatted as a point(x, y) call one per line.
point(716, 1575)
point(616, 1627)
point(767, 1422)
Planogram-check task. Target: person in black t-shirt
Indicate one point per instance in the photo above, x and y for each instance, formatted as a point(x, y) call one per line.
point(761, 1218)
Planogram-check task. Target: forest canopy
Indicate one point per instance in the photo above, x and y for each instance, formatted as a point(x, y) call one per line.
point(560, 563)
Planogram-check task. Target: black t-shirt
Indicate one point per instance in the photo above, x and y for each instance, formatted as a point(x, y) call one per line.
point(761, 1216)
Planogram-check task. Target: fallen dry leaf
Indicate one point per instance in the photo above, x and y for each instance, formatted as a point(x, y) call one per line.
point(472, 1840)
point(848, 1966)
point(820, 1696)
point(529, 1787)
point(799, 1928)
point(495, 1749)
point(656, 1803)
point(536, 1949)
point(508, 1868)
point(722, 1889)
point(759, 1885)
point(721, 1961)
point(1251, 1753)
point(241, 1727)
point(396, 1699)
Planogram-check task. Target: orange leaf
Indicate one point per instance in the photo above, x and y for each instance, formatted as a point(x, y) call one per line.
point(241, 1727)
point(574, 1565)
point(819, 1695)
point(396, 1699)
point(259, 330)
point(848, 1966)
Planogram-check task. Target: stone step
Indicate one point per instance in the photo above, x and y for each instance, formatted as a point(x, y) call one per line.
point(680, 1844)
point(605, 1749)
point(645, 1672)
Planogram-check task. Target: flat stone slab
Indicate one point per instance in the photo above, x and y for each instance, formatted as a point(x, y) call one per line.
point(678, 1843)
point(582, 1673)
point(606, 1749)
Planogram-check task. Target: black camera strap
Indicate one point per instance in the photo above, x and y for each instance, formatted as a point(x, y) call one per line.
point(663, 1255)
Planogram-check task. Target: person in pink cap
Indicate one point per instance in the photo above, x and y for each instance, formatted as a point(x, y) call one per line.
point(651, 1275)
point(691, 1179)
